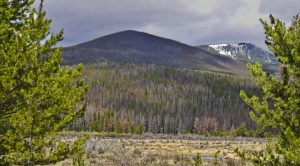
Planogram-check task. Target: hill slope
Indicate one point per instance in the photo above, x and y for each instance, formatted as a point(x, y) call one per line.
point(142, 48)
point(163, 99)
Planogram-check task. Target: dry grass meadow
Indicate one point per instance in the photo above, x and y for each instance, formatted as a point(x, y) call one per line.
point(161, 150)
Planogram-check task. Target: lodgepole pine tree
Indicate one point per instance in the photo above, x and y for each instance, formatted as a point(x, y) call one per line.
point(279, 108)
point(38, 97)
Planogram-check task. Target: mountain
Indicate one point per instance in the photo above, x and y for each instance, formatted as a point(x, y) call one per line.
point(244, 52)
point(142, 48)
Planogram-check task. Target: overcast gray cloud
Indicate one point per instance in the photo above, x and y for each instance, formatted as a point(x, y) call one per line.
point(283, 9)
point(190, 21)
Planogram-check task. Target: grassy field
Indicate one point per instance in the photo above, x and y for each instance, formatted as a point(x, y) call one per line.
point(165, 150)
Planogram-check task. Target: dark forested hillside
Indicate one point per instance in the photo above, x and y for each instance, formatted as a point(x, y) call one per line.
point(162, 99)
point(142, 48)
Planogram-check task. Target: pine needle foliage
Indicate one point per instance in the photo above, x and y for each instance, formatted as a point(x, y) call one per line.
point(38, 96)
point(278, 110)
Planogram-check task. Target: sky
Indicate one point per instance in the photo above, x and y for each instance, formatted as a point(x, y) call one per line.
point(194, 22)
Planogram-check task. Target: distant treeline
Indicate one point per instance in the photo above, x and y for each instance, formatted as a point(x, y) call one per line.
point(157, 99)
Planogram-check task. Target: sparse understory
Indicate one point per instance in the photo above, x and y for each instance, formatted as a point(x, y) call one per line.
point(153, 149)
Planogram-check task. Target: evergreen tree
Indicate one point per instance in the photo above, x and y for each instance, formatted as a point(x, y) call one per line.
point(279, 108)
point(38, 97)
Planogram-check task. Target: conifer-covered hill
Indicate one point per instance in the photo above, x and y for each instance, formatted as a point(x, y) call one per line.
point(163, 99)
point(142, 48)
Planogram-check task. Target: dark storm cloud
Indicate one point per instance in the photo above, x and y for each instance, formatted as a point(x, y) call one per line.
point(190, 21)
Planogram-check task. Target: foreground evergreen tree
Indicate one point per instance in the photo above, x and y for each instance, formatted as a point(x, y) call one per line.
point(38, 97)
point(279, 108)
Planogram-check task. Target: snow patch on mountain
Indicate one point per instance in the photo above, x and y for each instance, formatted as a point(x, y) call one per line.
point(245, 52)
point(221, 50)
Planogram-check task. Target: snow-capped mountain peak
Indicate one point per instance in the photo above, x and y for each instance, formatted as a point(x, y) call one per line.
point(245, 52)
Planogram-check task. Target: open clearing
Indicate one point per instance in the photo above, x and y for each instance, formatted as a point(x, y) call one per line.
point(166, 150)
